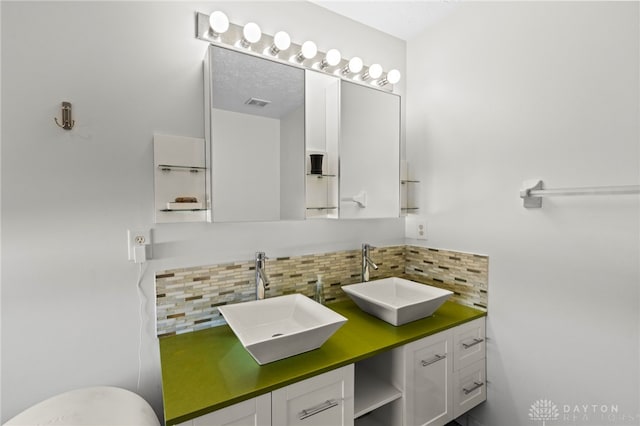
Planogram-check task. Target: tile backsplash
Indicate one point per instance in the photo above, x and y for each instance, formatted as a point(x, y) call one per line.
point(187, 298)
point(465, 274)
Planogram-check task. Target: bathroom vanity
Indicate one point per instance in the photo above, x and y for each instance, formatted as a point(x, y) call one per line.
point(426, 372)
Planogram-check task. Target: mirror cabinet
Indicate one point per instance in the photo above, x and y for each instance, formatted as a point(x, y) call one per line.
point(322, 134)
point(369, 152)
point(255, 110)
point(287, 143)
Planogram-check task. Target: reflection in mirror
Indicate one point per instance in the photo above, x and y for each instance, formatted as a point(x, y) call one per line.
point(322, 97)
point(369, 152)
point(257, 137)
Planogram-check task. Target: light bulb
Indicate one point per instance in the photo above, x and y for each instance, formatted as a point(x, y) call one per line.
point(393, 76)
point(281, 41)
point(251, 33)
point(374, 72)
point(331, 59)
point(219, 23)
point(354, 66)
point(308, 51)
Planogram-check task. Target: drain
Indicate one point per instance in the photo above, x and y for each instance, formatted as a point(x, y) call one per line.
point(277, 334)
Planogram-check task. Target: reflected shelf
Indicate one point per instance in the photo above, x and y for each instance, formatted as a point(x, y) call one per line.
point(320, 176)
point(409, 181)
point(321, 208)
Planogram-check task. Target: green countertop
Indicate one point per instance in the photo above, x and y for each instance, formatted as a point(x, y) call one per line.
point(209, 369)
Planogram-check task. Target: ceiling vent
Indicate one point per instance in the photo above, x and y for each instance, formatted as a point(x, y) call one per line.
point(257, 102)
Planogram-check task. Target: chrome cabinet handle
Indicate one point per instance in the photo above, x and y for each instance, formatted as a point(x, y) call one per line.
point(476, 341)
point(431, 361)
point(308, 412)
point(476, 385)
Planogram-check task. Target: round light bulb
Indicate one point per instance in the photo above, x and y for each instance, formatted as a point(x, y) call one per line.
point(393, 76)
point(375, 71)
point(309, 50)
point(251, 32)
point(281, 40)
point(333, 57)
point(355, 65)
point(218, 22)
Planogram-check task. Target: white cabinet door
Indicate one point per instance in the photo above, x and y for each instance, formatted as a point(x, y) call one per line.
point(428, 372)
point(470, 387)
point(252, 412)
point(469, 343)
point(322, 400)
point(369, 118)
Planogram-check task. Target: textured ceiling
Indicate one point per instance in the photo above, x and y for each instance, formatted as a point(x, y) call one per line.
point(238, 77)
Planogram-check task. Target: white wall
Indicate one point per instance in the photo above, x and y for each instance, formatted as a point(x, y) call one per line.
point(245, 167)
point(503, 92)
point(131, 69)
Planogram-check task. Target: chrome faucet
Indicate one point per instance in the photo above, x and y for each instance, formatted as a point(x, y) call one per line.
point(366, 262)
point(262, 282)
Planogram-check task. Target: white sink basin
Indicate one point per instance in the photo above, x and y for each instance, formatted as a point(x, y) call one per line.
point(280, 327)
point(396, 300)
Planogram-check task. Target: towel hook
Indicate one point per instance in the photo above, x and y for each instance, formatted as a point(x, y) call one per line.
point(67, 121)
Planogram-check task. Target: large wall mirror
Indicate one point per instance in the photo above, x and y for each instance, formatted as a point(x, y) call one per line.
point(259, 114)
point(257, 138)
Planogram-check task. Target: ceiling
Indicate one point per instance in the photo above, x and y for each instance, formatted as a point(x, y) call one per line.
point(238, 77)
point(402, 19)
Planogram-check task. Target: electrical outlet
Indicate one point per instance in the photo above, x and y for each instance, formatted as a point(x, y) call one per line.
point(416, 227)
point(422, 229)
point(137, 238)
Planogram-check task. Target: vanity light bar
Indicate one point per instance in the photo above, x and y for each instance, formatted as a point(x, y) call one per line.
point(216, 29)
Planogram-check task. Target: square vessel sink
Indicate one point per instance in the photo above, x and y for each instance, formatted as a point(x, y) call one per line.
point(396, 300)
point(280, 327)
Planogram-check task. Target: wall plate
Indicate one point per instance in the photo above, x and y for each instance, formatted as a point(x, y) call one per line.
point(415, 227)
point(136, 238)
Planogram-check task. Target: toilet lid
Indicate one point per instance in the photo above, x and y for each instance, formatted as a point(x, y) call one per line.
point(93, 406)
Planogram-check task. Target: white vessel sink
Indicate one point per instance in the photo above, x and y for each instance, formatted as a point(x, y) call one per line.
point(280, 327)
point(396, 300)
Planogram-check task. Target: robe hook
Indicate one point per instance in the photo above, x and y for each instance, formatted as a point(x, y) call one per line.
point(67, 121)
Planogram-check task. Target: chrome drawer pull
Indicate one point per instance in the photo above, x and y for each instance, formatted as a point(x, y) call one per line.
point(329, 403)
point(475, 342)
point(435, 359)
point(476, 385)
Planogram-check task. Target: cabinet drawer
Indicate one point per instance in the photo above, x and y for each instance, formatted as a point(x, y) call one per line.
point(252, 412)
point(470, 387)
point(326, 399)
point(469, 343)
